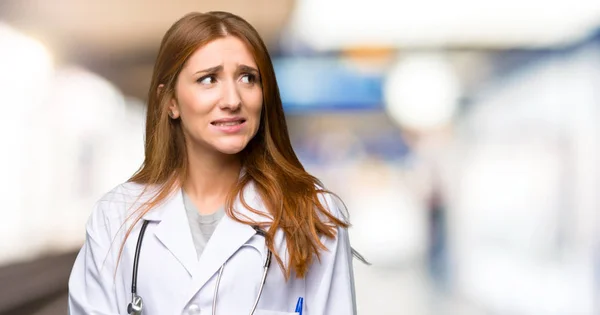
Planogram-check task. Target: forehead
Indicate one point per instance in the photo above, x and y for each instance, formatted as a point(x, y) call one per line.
point(227, 50)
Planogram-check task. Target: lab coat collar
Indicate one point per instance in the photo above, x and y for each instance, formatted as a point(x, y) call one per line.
point(174, 233)
point(173, 230)
point(228, 237)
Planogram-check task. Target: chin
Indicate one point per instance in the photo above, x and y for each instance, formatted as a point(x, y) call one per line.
point(231, 149)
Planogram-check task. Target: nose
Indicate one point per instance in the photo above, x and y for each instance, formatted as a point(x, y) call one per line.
point(231, 99)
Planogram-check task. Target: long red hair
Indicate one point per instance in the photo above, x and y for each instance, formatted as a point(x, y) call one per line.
point(290, 194)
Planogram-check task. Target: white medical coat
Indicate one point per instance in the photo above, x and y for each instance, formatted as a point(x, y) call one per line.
point(172, 280)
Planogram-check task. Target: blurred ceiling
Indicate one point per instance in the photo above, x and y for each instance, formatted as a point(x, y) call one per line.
point(119, 39)
point(480, 24)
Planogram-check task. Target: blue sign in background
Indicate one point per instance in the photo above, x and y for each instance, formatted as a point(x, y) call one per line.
point(326, 84)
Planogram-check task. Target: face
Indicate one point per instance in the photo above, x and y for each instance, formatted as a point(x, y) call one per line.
point(218, 97)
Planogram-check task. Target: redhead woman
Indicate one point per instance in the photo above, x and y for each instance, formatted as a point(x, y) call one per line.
point(221, 218)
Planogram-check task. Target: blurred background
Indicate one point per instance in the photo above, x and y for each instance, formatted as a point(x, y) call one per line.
point(462, 135)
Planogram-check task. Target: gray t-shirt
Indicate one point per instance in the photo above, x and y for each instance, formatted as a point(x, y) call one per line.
point(202, 226)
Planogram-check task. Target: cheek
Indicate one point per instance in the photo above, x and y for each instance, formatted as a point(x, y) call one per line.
point(195, 108)
point(195, 101)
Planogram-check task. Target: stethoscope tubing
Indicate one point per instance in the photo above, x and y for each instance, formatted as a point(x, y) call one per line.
point(136, 305)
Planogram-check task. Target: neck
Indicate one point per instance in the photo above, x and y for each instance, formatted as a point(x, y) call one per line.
point(210, 177)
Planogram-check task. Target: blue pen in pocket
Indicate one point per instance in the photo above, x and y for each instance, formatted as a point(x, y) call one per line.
point(299, 305)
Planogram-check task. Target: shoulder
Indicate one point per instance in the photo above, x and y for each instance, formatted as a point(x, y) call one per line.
point(125, 194)
point(330, 202)
point(333, 204)
point(117, 204)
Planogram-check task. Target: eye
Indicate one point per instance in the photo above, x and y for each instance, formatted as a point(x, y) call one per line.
point(207, 80)
point(248, 78)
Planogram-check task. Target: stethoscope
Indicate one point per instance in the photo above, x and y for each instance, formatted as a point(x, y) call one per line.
point(137, 303)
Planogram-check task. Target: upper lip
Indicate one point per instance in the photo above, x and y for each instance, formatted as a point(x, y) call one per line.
point(229, 119)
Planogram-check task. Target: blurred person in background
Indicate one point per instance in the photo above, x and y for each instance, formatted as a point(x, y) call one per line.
point(220, 193)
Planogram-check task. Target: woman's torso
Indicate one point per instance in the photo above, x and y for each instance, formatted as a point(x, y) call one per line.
point(171, 277)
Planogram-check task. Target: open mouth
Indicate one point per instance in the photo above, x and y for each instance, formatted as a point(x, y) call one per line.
point(228, 123)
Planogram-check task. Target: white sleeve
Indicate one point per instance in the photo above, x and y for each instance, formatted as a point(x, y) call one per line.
point(330, 281)
point(92, 280)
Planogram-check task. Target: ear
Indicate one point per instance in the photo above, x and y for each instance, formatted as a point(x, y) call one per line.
point(173, 107)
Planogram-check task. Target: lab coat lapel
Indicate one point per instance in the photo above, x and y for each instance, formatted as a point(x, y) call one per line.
point(227, 238)
point(173, 230)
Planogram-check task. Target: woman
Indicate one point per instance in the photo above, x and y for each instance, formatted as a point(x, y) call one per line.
point(220, 188)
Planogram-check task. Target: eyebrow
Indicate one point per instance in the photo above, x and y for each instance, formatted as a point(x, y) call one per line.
point(211, 69)
point(242, 68)
point(245, 68)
